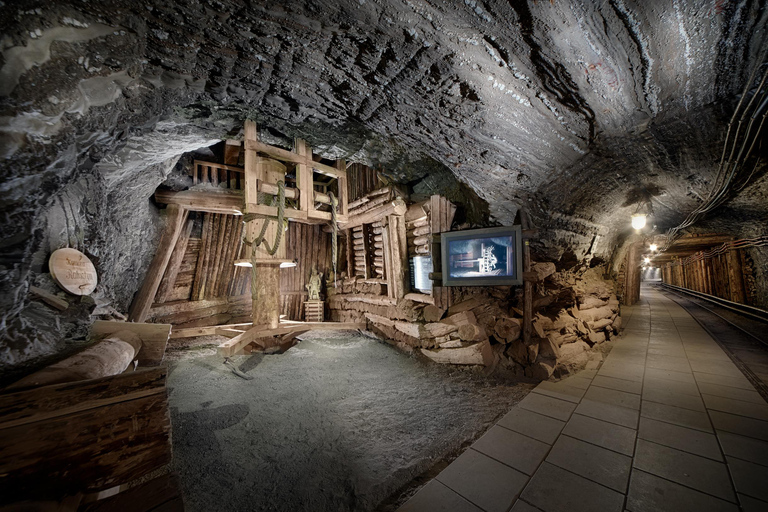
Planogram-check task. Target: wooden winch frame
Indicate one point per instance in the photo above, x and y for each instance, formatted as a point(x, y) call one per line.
point(261, 176)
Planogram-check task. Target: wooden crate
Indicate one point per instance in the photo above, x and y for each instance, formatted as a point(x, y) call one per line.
point(313, 310)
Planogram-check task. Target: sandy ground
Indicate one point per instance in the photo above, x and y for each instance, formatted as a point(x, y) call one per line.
point(339, 422)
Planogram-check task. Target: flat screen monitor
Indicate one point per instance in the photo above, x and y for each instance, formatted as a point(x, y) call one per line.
point(482, 257)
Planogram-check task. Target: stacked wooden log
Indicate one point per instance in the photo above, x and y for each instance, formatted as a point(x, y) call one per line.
point(418, 232)
point(377, 248)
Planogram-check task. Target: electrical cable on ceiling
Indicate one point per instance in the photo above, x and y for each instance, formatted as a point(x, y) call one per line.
point(730, 168)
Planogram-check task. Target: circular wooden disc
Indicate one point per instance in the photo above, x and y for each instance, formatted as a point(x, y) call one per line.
point(73, 271)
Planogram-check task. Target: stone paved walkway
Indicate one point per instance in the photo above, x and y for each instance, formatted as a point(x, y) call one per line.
point(668, 423)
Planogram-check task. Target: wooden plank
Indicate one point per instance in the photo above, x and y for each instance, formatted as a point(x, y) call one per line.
point(231, 346)
point(230, 202)
point(206, 330)
point(216, 257)
point(199, 270)
point(91, 450)
point(204, 261)
point(160, 494)
point(48, 402)
point(48, 298)
point(175, 217)
point(232, 152)
point(174, 264)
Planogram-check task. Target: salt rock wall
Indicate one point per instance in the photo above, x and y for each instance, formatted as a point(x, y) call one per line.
point(527, 103)
point(575, 312)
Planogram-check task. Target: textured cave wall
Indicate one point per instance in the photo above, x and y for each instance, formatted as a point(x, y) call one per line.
point(563, 107)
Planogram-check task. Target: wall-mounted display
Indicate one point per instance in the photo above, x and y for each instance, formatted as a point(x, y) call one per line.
point(482, 257)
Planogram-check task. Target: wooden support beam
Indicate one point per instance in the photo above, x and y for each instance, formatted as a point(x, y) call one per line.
point(233, 345)
point(289, 156)
point(175, 217)
point(211, 201)
point(527, 285)
point(174, 264)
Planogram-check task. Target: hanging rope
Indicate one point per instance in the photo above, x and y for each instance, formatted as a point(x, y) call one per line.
point(255, 243)
point(334, 237)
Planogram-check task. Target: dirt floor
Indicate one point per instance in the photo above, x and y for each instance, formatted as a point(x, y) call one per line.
point(339, 422)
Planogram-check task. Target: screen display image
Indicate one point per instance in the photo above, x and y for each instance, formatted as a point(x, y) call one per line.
point(481, 257)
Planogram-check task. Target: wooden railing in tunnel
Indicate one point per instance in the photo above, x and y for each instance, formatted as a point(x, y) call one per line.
point(217, 175)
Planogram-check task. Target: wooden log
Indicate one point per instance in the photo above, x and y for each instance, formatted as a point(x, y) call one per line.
point(465, 306)
point(417, 212)
point(440, 329)
point(174, 264)
point(471, 332)
point(418, 223)
point(420, 297)
point(266, 295)
point(432, 313)
point(49, 298)
point(396, 207)
point(507, 329)
point(110, 356)
point(204, 200)
point(475, 354)
point(422, 231)
point(369, 205)
point(422, 240)
point(462, 318)
point(218, 319)
point(422, 249)
point(154, 338)
point(175, 217)
point(198, 285)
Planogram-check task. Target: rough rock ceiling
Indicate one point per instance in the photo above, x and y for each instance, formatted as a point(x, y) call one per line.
point(566, 107)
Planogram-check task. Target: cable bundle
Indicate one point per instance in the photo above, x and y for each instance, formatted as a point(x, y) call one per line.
point(732, 161)
point(760, 241)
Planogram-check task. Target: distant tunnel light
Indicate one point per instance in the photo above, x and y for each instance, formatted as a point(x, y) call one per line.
point(638, 220)
point(654, 247)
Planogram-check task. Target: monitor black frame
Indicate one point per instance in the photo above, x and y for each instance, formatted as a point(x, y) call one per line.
point(470, 234)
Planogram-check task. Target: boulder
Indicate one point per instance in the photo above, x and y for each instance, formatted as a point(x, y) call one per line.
point(475, 354)
point(541, 369)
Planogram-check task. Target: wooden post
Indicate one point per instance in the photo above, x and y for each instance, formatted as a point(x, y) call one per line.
point(265, 286)
point(527, 284)
point(174, 264)
point(735, 277)
point(266, 295)
point(175, 217)
point(304, 177)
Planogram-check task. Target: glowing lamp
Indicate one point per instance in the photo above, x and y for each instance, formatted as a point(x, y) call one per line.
point(638, 220)
point(654, 247)
point(647, 260)
point(288, 264)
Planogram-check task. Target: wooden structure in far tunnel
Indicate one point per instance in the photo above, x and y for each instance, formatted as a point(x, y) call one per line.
point(200, 279)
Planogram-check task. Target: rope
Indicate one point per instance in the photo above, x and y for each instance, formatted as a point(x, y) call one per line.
point(260, 238)
point(334, 238)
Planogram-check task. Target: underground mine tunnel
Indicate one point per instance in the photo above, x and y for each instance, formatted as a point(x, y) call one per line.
point(384, 255)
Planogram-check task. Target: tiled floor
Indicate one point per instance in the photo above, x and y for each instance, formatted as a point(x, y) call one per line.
point(668, 423)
